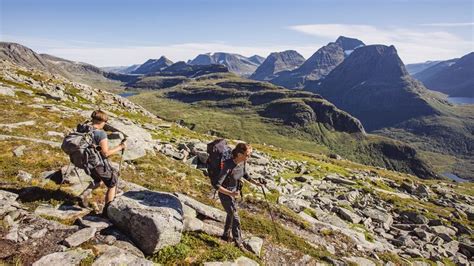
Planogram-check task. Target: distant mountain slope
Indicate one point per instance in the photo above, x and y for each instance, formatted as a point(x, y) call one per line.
point(319, 64)
point(373, 85)
point(76, 71)
point(418, 67)
point(153, 65)
point(236, 63)
point(121, 69)
point(277, 62)
point(454, 77)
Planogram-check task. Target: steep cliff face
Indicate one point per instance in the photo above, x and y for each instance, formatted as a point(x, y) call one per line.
point(276, 63)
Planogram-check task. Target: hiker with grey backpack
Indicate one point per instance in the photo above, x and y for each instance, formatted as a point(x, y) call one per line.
point(228, 183)
point(88, 149)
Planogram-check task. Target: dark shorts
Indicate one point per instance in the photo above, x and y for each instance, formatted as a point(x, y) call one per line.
point(108, 175)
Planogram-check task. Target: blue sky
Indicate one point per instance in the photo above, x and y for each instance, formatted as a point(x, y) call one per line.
point(105, 33)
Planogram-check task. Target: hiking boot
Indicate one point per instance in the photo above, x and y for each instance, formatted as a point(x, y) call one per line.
point(240, 246)
point(104, 211)
point(226, 237)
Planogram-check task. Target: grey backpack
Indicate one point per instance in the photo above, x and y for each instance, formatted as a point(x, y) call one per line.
point(82, 150)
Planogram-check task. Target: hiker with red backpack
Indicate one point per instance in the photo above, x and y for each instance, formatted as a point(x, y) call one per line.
point(228, 185)
point(88, 149)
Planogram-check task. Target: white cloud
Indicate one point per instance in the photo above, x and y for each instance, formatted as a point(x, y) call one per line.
point(412, 45)
point(461, 24)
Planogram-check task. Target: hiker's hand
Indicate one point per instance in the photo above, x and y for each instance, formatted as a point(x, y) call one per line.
point(123, 145)
point(234, 194)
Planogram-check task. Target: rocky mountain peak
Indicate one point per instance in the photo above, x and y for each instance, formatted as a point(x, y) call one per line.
point(277, 62)
point(153, 65)
point(348, 44)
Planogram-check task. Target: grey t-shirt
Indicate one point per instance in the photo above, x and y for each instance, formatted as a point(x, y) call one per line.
point(231, 174)
point(98, 136)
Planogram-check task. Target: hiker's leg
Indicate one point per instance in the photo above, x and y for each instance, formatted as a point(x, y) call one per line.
point(110, 195)
point(236, 232)
point(226, 202)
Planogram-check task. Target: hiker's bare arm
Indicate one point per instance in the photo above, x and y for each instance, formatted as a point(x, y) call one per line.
point(104, 148)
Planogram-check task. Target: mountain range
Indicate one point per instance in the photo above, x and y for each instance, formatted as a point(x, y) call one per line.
point(320, 64)
point(236, 63)
point(369, 84)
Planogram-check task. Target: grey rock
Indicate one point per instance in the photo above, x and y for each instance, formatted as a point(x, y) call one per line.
point(139, 140)
point(451, 248)
point(422, 191)
point(413, 217)
point(202, 208)
point(348, 215)
point(7, 91)
point(80, 237)
point(339, 180)
point(444, 232)
point(71, 257)
point(24, 176)
point(40, 233)
point(94, 222)
point(54, 134)
point(62, 212)
point(302, 178)
point(379, 216)
point(466, 249)
point(116, 256)
point(193, 224)
point(254, 244)
point(404, 241)
point(241, 261)
point(422, 234)
point(152, 219)
point(360, 261)
point(19, 151)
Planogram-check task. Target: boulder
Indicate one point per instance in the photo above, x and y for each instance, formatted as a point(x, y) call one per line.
point(139, 140)
point(152, 219)
point(24, 176)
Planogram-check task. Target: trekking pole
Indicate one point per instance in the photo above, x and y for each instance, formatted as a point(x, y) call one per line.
point(270, 211)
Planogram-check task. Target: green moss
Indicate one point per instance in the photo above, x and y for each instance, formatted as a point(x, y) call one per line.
point(197, 248)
